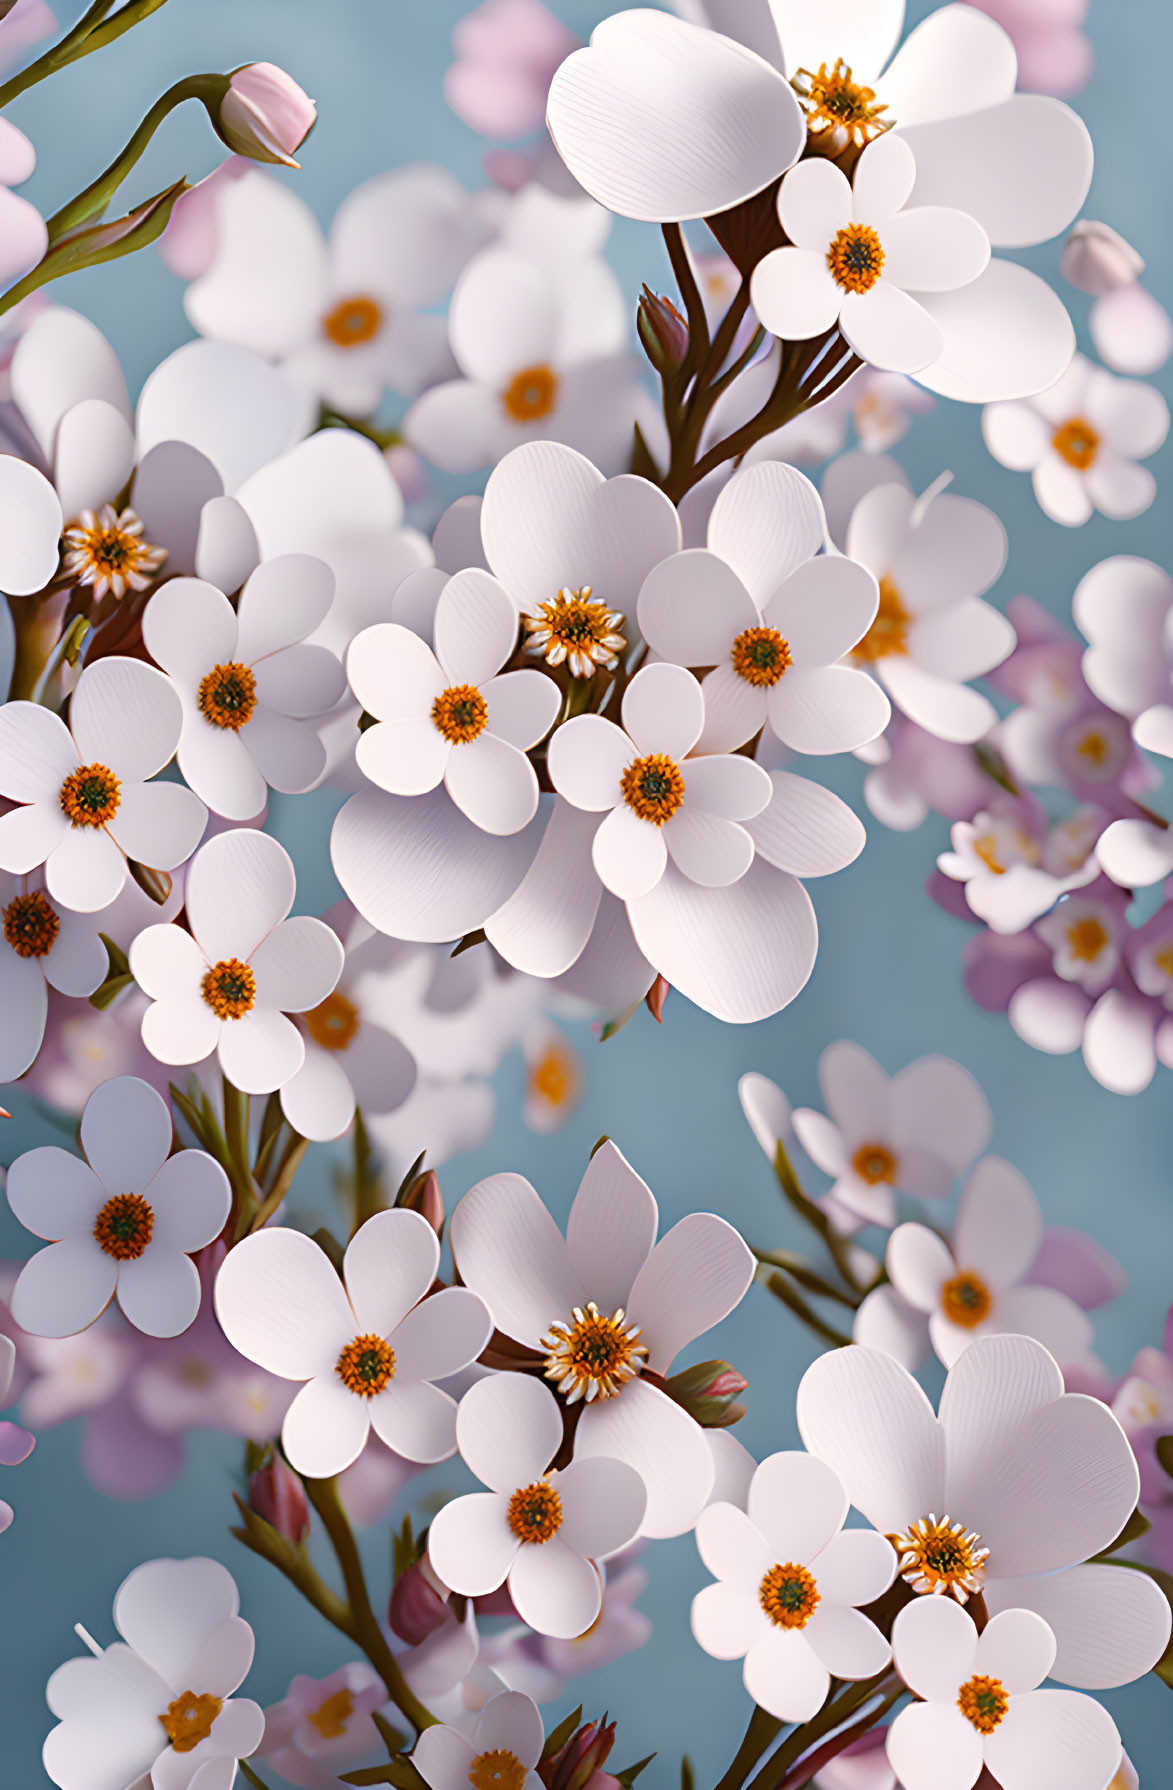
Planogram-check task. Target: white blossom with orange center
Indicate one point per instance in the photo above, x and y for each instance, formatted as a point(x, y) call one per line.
point(977, 1283)
point(1081, 441)
point(1085, 937)
point(368, 1346)
point(999, 857)
point(539, 1530)
point(158, 1705)
point(789, 1583)
point(980, 1705)
point(106, 550)
point(454, 715)
point(914, 1132)
point(43, 945)
point(124, 1222)
point(601, 1306)
point(85, 802)
point(249, 680)
point(497, 1751)
point(540, 339)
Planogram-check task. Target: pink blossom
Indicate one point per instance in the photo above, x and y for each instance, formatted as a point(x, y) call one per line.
point(1053, 54)
point(323, 1725)
point(506, 54)
point(188, 244)
point(265, 115)
point(28, 23)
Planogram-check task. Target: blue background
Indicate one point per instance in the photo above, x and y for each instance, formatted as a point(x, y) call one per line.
point(888, 970)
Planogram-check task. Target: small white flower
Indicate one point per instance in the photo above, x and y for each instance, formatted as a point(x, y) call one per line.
point(982, 1706)
point(229, 983)
point(659, 802)
point(1080, 440)
point(976, 1284)
point(540, 1531)
point(452, 715)
point(789, 1583)
point(160, 1701)
point(1122, 607)
point(370, 1345)
point(1085, 938)
point(86, 802)
point(858, 257)
point(1000, 862)
point(502, 1748)
point(247, 679)
point(42, 946)
point(127, 1223)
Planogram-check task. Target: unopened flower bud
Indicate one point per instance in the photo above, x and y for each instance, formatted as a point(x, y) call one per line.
point(1097, 259)
point(419, 1603)
point(575, 1764)
point(276, 1493)
point(662, 331)
point(656, 996)
point(423, 1196)
point(707, 1392)
point(264, 114)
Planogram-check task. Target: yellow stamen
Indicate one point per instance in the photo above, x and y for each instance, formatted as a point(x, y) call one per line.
point(1076, 442)
point(576, 629)
point(124, 1225)
point(366, 1365)
point(941, 1558)
point(888, 634)
point(106, 550)
point(1086, 938)
point(1164, 959)
point(90, 796)
point(535, 1512)
point(653, 788)
point(834, 102)
point(874, 1163)
point(966, 1301)
point(461, 713)
point(983, 1701)
point(531, 394)
point(856, 258)
point(986, 848)
point(498, 1770)
point(353, 321)
point(227, 696)
point(230, 988)
point(789, 1596)
point(1094, 747)
point(31, 925)
point(334, 1024)
point(331, 1716)
point(554, 1078)
point(593, 1357)
point(760, 656)
point(189, 1719)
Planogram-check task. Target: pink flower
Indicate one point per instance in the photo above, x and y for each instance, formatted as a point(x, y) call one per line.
point(506, 54)
point(265, 115)
point(1053, 54)
point(26, 24)
point(323, 1725)
point(23, 236)
point(188, 244)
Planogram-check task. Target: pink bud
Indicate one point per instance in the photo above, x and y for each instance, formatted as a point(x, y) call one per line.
point(265, 114)
point(276, 1493)
point(579, 1763)
point(664, 335)
point(1097, 259)
point(419, 1605)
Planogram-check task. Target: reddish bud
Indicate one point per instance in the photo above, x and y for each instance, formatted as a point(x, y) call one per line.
point(423, 1196)
point(419, 1604)
point(575, 1765)
point(276, 1493)
point(656, 996)
point(663, 332)
point(707, 1392)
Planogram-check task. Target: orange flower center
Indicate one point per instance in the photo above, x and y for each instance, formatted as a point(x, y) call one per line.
point(553, 1079)
point(366, 1365)
point(760, 656)
point(1076, 442)
point(984, 1702)
point(576, 629)
point(789, 1596)
point(227, 696)
point(31, 925)
point(498, 1770)
point(874, 1163)
point(856, 258)
point(593, 1356)
point(230, 988)
point(461, 713)
point(653, 788)
point(941, 1558)
point(334, 1023)
point(535, 1512)
point(530, 394)
point(106, 550)
point(353, 321)
point(966, 1301)
point(888, 633)
point(1094, 747)
point(189, 1719)
point(90, 796)
point(832, 101)
point(330, 1718)
point(123, 1227)
point(1086, 938)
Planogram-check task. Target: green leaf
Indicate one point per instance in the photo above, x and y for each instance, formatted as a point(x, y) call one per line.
point(1165, 1453)
point(687, 1776)
point(117, 975)
point(557, 1737)
point(392, 1739)
point(629, 1773)
point(1136, 1526)
point(101, 242)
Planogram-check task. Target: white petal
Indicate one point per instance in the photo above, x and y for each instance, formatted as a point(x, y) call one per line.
point(692, 607)
point(766, 1109)
point(794, 294)
point(1119, 488)
point(280, 1303)
point(509, 1250)
point(806, 829)
point(95, 455)
point(919, 1263)
point(189, 626)
point(63, 1288)
point(26, 1004)
point(663, 710)
point(734, 710)
point(85, 871)
point(767, 521)
point(946, 709)
point(935, 1645)
point(882, 182)
point(999, 1224)
point(503, 316)
point(798, 1504)
point(1134, 853)
point(393, 673)
point(1118, 1043)
point(1016, 435)
point(889, 328)
point(709, 850)
point(492, 783)
point(160, 1293)
point(932, 1747)
point(415, 1419)
point(226, 545)
point(475, 627)
point(784, 1675)
point(523, 706)
point(868, 1419)
point(1059, 1734)
point(1017, 1648)
point(166, 962)
point(1128, 1636)
point(470, 1544)
point(544, 926)
point(1007, 335)
point(642, 118)
point(864, 32)
point(239, 886)
point(159, 824)
point(847, 1643)
point(61, 359)
point(612, 1227)
point(297, 965)
point(190, 1197)
point(441, 1335)
point(648, 1430)
point(735, 1550)
point(933, 248)
point(697, 1273)
point(856, 1567)
point(727, 1619)
point(265, 285)
point(284, 600)
point(227, 403)
point(831, 708)
point(125, 1133)
point(325, 1428)
point(37, 753)
point(389, 1265)
point(260, 1051)
point(974, 162)
point(30, 527)
point(629, 854)
point(823, 609)
point(406, 758)
point(1131, 331)
point(508, 1428)
point(555, 1590)
point(814, 202)
point(180, 1031)
point(587, 757)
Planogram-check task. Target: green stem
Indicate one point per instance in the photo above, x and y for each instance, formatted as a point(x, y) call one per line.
point(363, 1627)
point(368, 1189)
point(72, 45)
point(834, 1712)
point(287, 1168)
point(814, 1762)
point(790, 1297)
point(236, 1115)
point(799, 1270)
point(762, 1731)
point(382, 438)
point(838, 1247)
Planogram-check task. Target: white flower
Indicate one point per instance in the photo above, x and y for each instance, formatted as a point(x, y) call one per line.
point(541, 351)
point(982, 1706)
point(859, 255)
point(126, 1224)
point(976, 1284)
point(1122, 607)
point(159, 1701)
point(369, 1345)
point(1080, 441)
point(342, 315)
point(1131, 330)
point(42, 946)
point(789, 1583)
point(933, 557)
point(1014, 1481)
point(660, 803)
point(770, 618)
point(597, 1305)
point(502, 1748)
point(22, 228)
point(452, 715)
point(1119, 1032)
point(915, 1131)
point(540, 1531)
point(1085, 938)
point(87, 804)
point(246, 679)
point(998, 860)
point(228, 984)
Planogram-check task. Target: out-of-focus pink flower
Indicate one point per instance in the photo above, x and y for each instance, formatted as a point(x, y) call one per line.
point(188, 244)
point(1097, 259)
point(1132, 332)
point(506, 54)
point(323, 1725)
point(1077, 1265)
point(265, 115)
point(1053, 54)
point(23, 235)
point(913, 772)
point(28, 23)
point(370, 1486)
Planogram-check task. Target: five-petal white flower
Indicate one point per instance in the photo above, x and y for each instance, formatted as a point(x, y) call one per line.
point(504, 1743)
point(538, 1530)
point(42, 946)
point(369, 1346)
point(789, 1583)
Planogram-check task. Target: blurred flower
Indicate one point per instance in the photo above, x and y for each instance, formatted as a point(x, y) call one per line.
point(1097, 259)
point(1054, 56)
point(506, 54)
point(16, 1444)
point(1122, 607)
point(322, 1725)
point(23, 235)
